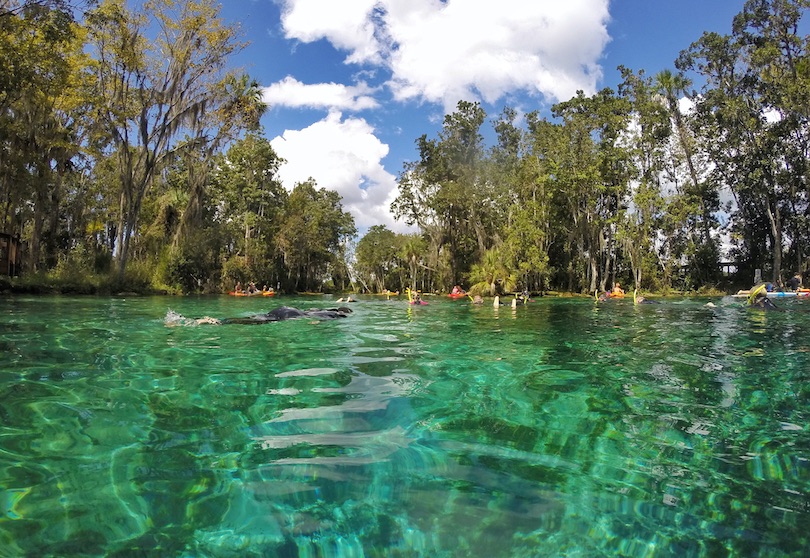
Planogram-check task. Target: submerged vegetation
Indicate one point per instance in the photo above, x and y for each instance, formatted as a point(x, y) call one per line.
point(132, 158)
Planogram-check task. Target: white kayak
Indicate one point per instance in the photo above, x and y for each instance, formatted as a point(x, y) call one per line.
point(774, 294)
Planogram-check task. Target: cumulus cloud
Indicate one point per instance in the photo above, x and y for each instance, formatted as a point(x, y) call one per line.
point(348, 26)
point(289, 92)
point(342, 155)
point(472, 49)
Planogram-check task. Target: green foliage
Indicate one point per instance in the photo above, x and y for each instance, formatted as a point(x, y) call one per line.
point(187, 268)
point(413, 251)
point(494, 275)
point(183, 273)
point(444, 191)
point(74, 272)
point(140, 277)
point(703, 265)
point(312, 235)
point(235, 270)
point(761, 67)
point(376, 257)
point(146, 93)
point(526, 244)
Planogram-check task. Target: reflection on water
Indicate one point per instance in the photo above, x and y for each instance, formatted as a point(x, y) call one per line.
point(558, 428)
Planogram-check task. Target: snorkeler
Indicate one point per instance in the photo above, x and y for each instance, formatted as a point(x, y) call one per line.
point(276, 315)
point(763, 302)
point(759, 298)
point(638, 299)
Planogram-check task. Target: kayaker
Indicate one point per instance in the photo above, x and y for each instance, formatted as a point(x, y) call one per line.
point(795, 282)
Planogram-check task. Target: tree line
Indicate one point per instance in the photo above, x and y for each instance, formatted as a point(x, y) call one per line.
point(626, 186)
point(132, 151)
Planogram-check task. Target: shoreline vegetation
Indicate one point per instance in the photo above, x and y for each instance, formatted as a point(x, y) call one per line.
point(42, 284)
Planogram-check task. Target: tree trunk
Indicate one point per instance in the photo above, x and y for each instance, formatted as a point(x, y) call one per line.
point(603, 282)
point(123, 248)
point(192, 216)
point(53, 221)
point(774, 216)
point(36, 235)
point(119, 233)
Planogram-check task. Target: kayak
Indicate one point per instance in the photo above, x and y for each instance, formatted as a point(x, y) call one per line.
point(774, 294)
point(457, 295)
point(259, 293)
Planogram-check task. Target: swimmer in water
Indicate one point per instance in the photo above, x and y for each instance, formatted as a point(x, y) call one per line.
point(759, 298)
point(276, 315)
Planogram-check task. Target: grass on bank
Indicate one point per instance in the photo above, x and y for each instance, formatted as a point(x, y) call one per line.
point(69, 280)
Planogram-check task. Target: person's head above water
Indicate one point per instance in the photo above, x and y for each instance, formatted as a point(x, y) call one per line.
point(758, 298)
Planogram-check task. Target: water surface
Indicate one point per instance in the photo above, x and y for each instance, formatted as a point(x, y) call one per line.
point(562, 428)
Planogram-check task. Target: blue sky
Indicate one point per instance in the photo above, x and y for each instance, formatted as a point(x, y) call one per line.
point(352, 84)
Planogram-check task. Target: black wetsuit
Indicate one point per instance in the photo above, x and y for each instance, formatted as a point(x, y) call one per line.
point(763, 303)
point(288, 313)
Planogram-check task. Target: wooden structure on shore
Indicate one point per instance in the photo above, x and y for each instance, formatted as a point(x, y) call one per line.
point(10, 254)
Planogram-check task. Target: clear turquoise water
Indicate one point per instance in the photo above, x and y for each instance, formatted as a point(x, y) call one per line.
point(557, 429)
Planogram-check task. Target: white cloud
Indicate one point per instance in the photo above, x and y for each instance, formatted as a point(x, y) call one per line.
point(345, 156)
point(347, 25)
point(444, 51)
point(289, 92)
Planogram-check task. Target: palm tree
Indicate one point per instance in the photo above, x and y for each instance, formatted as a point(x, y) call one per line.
point(413, 253)
point(493, 272)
